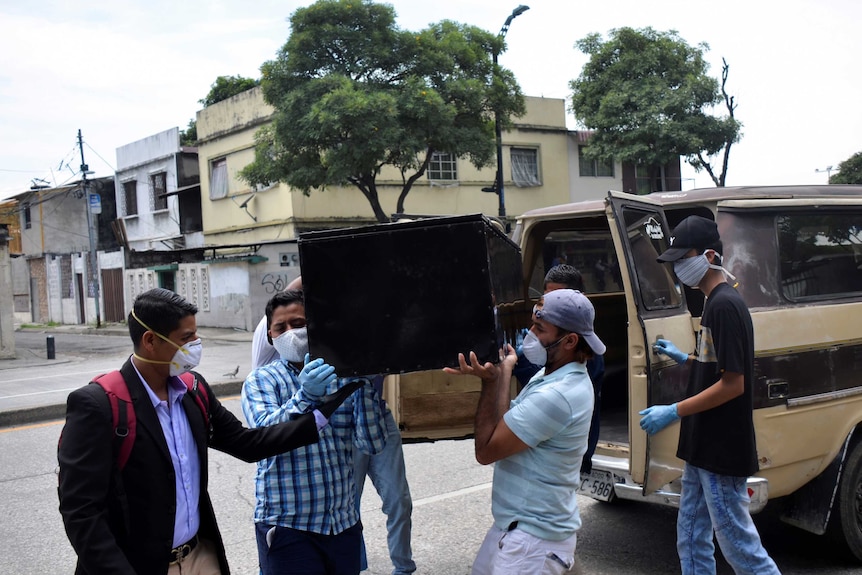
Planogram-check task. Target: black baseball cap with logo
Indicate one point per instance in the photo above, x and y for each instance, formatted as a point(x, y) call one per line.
point(694, 232)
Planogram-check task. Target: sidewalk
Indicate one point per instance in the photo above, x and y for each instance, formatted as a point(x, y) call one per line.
point(228, 350)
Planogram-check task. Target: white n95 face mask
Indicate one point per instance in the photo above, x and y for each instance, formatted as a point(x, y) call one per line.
point(292, 345)
point(534, 351)
point(187, 357)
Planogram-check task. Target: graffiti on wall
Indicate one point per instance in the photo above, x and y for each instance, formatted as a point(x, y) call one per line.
point(274, 283)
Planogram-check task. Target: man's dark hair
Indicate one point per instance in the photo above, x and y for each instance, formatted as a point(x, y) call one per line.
point(161, 310)
point(283, 298)
point(567, 275)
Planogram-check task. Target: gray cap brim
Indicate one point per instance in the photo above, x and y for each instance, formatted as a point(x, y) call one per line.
point(595, 343)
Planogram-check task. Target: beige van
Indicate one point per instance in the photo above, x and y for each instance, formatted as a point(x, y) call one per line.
point(797, 254)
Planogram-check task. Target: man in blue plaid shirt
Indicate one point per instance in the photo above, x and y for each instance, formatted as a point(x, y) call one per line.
point(305, 516)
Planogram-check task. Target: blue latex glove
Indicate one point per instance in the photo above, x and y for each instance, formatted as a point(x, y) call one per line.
point(315, 378)
point(658, 417)
point(666, 347)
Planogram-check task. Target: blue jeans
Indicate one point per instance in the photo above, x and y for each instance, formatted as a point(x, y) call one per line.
point(288, 551)
point(387, 473)
point(719, 503)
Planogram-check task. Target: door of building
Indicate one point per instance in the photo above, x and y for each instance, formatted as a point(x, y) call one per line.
point(112, 285)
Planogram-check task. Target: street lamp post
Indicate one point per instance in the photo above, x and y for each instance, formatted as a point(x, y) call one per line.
point(828, 170)
point(498, 126)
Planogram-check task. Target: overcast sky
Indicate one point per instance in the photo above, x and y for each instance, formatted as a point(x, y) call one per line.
point(122, 70)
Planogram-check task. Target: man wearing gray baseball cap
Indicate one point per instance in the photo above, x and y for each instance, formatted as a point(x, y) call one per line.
point(536, 440)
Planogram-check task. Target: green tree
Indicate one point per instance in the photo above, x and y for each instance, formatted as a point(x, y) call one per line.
point(189, 136)
point(353, 93)
point(647, 95)
point(849, 171)
point(226, 86)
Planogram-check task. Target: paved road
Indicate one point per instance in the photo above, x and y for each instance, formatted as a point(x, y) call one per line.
point(451, 495)
point(34, 388)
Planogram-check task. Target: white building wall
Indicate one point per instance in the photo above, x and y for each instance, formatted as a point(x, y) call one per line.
point(149, 230)
point(136, 282)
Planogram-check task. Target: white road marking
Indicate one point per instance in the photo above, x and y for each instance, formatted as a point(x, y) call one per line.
point(451, 494)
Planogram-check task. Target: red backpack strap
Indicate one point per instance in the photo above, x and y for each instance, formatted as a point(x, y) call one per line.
point(123, 415)
point(199, 393)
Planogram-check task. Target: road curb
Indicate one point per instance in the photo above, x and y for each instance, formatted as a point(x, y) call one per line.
point(31, 415)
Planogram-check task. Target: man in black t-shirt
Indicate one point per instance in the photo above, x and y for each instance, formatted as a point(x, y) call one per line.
point(716, 438)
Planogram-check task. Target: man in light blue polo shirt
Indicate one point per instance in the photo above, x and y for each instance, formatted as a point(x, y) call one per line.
point(537, 440)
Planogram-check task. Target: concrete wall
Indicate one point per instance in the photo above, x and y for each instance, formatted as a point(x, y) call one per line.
point(269, 277)
point(7, 319)
point(21, 290)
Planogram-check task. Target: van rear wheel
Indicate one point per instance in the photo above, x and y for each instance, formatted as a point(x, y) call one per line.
point(848, 516)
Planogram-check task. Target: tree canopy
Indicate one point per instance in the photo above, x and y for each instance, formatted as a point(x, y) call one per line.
point(226, 86)
point(849, 171)
point(353, 93)
point(647, 96)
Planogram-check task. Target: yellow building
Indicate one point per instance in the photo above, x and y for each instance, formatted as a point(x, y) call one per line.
point(540, 167)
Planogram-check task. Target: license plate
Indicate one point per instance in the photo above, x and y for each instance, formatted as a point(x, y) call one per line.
point(597, 484)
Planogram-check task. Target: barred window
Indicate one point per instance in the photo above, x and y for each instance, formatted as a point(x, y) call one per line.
point(158, 191)
point(130, 197)
point(442, 167)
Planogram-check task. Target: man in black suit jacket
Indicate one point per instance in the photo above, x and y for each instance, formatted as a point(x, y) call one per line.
point(155, 516)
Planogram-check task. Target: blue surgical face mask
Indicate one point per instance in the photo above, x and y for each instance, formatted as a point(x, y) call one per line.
point(690, 271)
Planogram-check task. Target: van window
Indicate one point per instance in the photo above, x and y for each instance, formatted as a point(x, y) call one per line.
point(646, 238)
point(591, 251)
point(821, 255)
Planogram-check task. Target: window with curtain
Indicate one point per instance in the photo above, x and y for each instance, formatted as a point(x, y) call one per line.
point(442, 167)
point(218, 179)
point(525, 167)
point(594, 168)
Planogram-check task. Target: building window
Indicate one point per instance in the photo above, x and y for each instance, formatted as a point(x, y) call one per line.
point(525, 167)
point(642, 180)
point(130, 197)
point(27, 221)
point(442, 167)
point(820, 255)
point(159, 191)
point(218, 179)
point(594, 168)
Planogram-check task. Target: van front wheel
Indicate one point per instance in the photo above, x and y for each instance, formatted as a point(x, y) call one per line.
point(848, 516)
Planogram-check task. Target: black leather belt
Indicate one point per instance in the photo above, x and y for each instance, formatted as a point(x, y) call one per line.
point(181, 552)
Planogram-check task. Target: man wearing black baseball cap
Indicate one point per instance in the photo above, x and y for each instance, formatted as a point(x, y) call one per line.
point(537, 440)
point(716, 438)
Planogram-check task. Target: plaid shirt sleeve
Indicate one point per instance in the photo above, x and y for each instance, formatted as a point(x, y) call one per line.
point(271, 395)
point(370, 432)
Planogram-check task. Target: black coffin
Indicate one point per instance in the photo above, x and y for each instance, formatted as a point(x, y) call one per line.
point(407, 296)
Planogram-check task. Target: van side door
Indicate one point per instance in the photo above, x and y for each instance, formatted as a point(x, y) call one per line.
point(656, 309)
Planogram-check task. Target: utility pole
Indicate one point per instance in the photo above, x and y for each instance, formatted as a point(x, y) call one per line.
point(93, 264)
point(498, 188)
